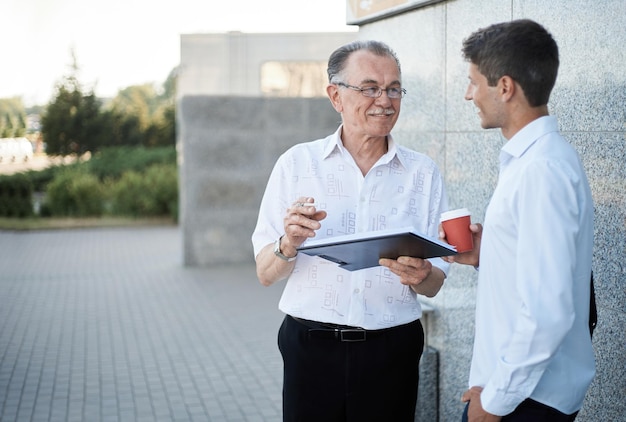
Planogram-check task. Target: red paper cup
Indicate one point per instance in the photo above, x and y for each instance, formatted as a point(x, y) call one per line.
point(456, 225)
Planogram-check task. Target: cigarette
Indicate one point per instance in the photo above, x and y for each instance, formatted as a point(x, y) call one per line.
point(308, 204)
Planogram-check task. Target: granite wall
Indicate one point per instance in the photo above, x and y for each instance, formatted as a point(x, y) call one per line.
point(590, 102)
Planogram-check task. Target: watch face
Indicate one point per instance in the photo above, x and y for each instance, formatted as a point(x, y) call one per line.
point(277, 247)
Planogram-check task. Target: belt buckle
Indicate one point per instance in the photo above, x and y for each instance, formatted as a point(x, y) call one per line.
point(350, 333)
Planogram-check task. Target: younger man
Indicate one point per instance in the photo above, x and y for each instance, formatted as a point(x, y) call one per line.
point(532, 359)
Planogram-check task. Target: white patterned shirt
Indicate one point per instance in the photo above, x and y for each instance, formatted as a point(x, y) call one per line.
point(404, 188)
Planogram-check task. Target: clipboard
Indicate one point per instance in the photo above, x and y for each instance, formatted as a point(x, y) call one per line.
point(363, 250)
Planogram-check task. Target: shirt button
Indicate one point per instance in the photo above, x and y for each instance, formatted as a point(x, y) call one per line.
point(356, 291)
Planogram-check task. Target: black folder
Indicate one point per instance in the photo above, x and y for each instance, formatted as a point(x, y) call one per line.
point(363, 250)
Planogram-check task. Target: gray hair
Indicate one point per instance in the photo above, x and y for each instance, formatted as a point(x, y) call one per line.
point(339, 57)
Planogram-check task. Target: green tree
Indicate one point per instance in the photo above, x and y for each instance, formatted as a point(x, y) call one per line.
point(12, 118)
point(7, 127)
point(139, 115)
point(139, 101)
point(169, 86)
point(163, 130)
point(122, 129)
point(72, 122)
point(129, 115)
point(20, 130)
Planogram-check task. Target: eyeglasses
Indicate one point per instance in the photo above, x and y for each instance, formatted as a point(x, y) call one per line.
point(393, 93)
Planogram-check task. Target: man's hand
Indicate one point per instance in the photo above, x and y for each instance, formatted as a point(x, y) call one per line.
point(301, 221)
point(476, 413)
point(468, 258)
point(419, 274)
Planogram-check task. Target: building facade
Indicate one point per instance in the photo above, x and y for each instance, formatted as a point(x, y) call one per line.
point(226, 158)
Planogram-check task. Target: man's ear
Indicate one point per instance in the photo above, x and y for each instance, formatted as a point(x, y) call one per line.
point(506, 88)
point(332, 91)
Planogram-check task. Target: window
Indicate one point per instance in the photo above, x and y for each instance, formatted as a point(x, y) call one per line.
point(294, 79)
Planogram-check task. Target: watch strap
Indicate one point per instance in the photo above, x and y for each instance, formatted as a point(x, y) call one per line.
point(279, 254)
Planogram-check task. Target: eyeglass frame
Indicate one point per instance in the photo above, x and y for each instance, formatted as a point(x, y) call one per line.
point(377, 93)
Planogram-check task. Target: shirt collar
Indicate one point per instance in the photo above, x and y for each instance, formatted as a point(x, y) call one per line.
point(335, 145)
point(528, 135)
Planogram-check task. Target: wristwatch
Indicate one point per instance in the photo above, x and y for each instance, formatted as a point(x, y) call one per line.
point(279, 254)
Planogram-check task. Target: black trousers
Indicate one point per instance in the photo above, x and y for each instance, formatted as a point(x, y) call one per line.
point(532, 411)
point(329, 380)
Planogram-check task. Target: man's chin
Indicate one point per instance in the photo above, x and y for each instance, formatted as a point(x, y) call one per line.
point(384, 125)
point(487, 125)
point(382, 131)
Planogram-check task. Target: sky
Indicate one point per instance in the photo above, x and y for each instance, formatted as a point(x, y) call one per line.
point(120, 43)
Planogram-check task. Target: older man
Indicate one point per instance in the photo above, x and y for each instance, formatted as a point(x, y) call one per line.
point(351, 341)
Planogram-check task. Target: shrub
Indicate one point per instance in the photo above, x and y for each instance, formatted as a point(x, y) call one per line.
point(125, 181)
point(41, 178)
point(16, 194)
point(74, 192)
point(151, 193)
point(112, 162)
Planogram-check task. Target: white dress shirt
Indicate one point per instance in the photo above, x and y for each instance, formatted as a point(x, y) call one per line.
point(404, 188)
point(532, 336)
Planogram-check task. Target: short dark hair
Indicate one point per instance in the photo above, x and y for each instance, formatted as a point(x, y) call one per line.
point(339, 57)
point(521, 49)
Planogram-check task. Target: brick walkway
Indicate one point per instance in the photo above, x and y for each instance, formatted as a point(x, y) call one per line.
point(107, 325)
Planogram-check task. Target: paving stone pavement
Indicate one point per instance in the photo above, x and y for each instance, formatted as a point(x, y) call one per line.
point(107, 325)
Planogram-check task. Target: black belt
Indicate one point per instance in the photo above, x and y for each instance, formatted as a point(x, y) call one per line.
point(339, 332)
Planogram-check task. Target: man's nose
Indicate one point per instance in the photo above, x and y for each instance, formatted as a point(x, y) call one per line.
point(384, 98)
point(468, 94)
